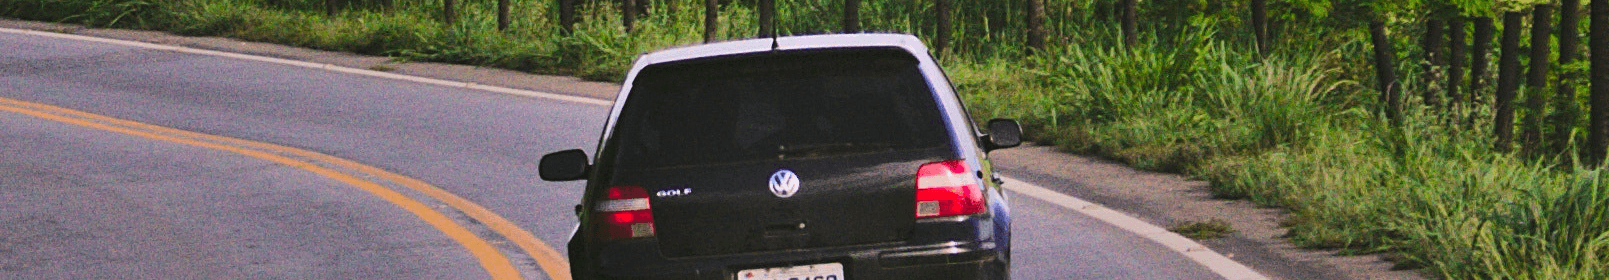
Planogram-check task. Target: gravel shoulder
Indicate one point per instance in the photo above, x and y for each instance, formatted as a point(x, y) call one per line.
point(1158, 198)
point(1170, 199)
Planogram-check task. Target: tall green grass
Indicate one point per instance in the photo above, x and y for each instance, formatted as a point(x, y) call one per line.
point(1433, 195)
point(1296, 129)
point(1293, 131)
point(1162, 106)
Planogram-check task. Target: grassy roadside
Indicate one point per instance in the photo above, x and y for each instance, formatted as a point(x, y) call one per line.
point(1292, 130)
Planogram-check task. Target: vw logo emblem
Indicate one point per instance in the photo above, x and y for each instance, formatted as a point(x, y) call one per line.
point(784, 183)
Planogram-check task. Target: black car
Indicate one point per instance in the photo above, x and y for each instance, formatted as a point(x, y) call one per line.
point(810, 157)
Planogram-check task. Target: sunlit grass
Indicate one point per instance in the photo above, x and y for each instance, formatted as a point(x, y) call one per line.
point(1287, 131)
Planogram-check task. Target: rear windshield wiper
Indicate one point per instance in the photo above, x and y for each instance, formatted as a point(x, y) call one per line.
point(820, 149)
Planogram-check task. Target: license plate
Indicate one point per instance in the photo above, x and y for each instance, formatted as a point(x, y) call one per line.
point(826, 271)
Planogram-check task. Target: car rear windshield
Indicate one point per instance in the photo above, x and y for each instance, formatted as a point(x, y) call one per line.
point(777, 106)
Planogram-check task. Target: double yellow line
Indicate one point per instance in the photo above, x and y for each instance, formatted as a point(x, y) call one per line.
point(496, 264)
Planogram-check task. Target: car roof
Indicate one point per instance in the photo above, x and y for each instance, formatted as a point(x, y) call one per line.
point(907, 42)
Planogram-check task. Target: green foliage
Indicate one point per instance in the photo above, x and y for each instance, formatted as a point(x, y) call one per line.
point(1210, 229)
point(1161, 105)
point(1295, 131)
point(1475, 8)
point(94, 13)
point(1318, 8)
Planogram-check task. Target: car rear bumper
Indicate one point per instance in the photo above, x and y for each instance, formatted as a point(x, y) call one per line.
point(949, 260)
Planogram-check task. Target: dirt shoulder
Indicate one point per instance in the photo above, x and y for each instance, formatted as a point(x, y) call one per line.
point(1162, 199)
point(1170, 199)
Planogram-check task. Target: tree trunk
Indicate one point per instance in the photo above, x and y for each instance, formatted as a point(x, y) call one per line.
point(711, 19)
point(1433, 46)
point(1455, 59)
point(1564, 107)
point(941, 10)
point(1537, 80)
point(1259, 26)
point(1477, 58)
point(502, 14)
point(767, 18)
point(329, 8)
point(628, 14)
point(995, 18)
point(1036, 25)
point(1598, 46)
point(1130, 18)
point(851, 20)
point(1435, 37)
point(566, 17)
point(449, 11)
point(1508, 80)
point(1384, 72)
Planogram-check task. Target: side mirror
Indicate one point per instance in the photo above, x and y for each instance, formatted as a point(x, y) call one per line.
point(1003, 133)
point(567, 165)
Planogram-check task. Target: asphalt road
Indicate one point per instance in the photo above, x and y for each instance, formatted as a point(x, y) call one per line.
point(81, 202)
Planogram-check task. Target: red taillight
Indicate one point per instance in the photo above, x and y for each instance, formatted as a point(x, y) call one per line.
point(625, 214)
point(946, 189)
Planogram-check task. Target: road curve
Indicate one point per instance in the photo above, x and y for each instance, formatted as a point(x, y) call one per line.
point(546, 257)
point(83, 201)
point(478, 145)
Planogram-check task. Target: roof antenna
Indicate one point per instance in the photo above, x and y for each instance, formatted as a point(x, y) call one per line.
point(774, 45)
point(773, 19)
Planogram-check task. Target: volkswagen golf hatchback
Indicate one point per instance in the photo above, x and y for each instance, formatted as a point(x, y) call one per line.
point(812, 157)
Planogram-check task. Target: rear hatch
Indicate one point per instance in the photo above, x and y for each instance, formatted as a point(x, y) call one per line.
point(717, 141)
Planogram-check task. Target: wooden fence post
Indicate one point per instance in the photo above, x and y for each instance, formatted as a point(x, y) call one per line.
point(1432, 42)
point(851, 20)
point(1390, 90)
point(629, 14)
point(1456, 58)
point(1564, 122)
point(1508, 80)
point(1598, 74)
point(1537, 78)
point(768, 13)
point(567, 16)
point(1036, 25)
point(1130, 23)
point(448, 12)
point(502, 15)
point(711, 19)
point(1259, 26)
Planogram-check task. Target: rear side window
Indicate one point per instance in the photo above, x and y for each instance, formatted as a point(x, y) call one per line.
point(773, 106)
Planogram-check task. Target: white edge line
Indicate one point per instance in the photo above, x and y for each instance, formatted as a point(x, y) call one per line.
point(1218, 263)
point(330, 67)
